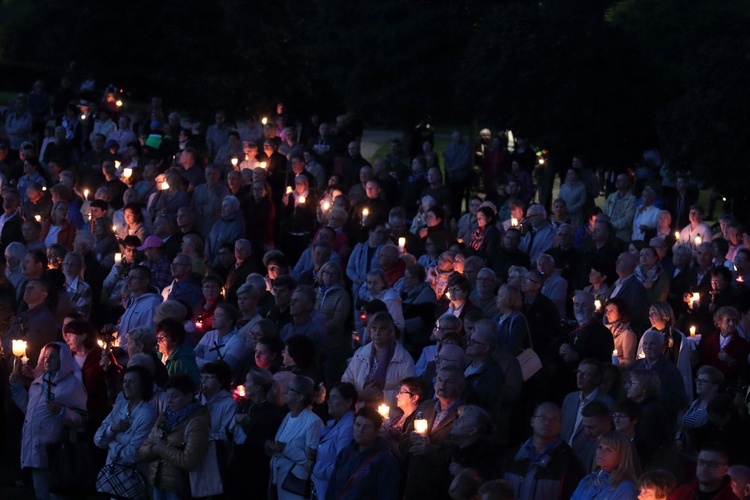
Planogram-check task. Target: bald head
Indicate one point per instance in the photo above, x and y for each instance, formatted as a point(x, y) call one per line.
point(626, 264)
point(450, 355)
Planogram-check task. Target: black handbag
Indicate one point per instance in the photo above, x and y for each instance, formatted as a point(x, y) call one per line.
point(71, 465)
point(297, 485)
point(122, 481)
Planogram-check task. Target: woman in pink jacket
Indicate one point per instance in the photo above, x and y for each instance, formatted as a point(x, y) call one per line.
point(50, 404)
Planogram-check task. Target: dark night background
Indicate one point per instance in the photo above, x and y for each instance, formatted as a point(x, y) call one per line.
point(605, 77)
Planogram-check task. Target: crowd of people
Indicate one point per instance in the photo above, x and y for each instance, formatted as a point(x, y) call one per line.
point(259, 311)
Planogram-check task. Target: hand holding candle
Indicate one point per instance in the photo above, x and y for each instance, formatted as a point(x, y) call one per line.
point(402, 244)
point(384, 411)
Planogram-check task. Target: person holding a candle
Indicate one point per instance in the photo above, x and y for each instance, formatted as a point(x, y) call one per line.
point(722, 292)
point(298, 218)
point(727, 351)
point(335, 435)
point(617, 315)
point(429, 453)
point(51, 403)
point(697, 231)
point(673, 393)
point(486, 237)
point(81, 339)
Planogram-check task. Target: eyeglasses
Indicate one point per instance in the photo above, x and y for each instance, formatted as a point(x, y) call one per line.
point(161, 338)
point(403, 391)
point(619, 416)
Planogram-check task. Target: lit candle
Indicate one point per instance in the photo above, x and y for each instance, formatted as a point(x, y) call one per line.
point(615, 358)
point(240, 391)
point(598, 305)
point(114, 228)
point(263, 165)
point(118, 103)
point(44, 188)
point(402, 244)
point(698, 240)
point(38, 218)
point(199, 324)
point(83, 117)
point(301, 199)
point(677, 235)
point(696, 297)
point(117, 164)
point(118, 258)
point(164, 186)
point(740, 279)
point(127, 172)
point(692, 331)
point(384, 410)
point(103, 345)
point(365, 214)
point(326, 206)
point(420, 425)
point(448, 294)
point(234, 162)
point(85, 194)
point(264, 120)
point(513, 221)
point(19, 348)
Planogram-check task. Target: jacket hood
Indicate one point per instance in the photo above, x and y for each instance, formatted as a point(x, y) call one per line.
point(66, 362)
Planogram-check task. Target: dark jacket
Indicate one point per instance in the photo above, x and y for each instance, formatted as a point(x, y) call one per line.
point(377, 480)
point(555, 475)
point(428, 473)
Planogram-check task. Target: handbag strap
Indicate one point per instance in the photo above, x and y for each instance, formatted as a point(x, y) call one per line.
point(357, 472)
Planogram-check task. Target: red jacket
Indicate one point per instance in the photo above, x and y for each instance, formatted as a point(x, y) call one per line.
point(65, 237)
point(737, 348)
point(690, 491)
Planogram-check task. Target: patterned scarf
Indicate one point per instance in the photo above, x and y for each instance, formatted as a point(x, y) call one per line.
point(173, 418)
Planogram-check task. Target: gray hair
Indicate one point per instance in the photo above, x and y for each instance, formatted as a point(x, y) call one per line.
point(170, 309)
point(233, 201)
point(16, 250)
point(144, 336)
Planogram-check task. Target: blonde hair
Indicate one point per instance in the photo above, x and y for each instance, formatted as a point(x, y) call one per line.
point(625, 469)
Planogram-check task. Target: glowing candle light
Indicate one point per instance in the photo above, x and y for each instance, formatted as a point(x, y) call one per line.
point(420, 425)
point(598, 305)
point(513, 221)
point(698, 240)
point(118, 103)
point(615, 358)
point(696, 297)
point(677, 235)
point(384, 410)
point(117, 164)
point(44, 188)
point(301, 200)
point(263, 165)
point(264, 120)
point(164, 186)
point(234, 161)
point(402, 244)
point(38, 218)
point(85, 194)
point(118, 258)
point(326, 206)
point(83, 117)
point(365, 214)
point(692, 331)
point(19, 348)
point(288, 189)
point(127, 172)
point(114, 228)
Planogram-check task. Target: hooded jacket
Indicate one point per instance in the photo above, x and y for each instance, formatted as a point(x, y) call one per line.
point(40, 426)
